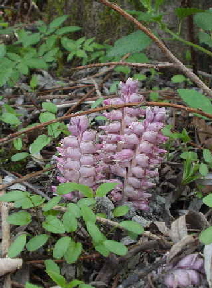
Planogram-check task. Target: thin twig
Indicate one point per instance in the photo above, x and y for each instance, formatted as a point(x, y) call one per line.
point(156, 66)
point(193, 77)
point(26, 177)
point(159, 104)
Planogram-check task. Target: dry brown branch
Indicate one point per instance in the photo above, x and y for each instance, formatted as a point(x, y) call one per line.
point(159, 104)
point(156, 66)
point(26, 177)
point(193, 77)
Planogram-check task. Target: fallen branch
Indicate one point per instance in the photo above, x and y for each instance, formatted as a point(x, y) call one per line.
point(193, 77)
point(159, 104)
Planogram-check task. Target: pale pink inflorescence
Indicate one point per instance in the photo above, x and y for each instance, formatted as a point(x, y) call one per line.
point(127, 151)
point(188, 271)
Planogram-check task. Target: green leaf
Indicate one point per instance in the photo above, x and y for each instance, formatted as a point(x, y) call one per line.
point(2, 50)
point(74, 283)
point(50, 107)
point(36, 242)
point(88, 214)
point(58, 21)
point(19, 218)
point(38, 144)
point(132, 226)
point(123, 69)
point(69, 222)
point(205, 38)
point(18, 143)
point(17, 246)
point(54, 129)
point(34, 81)
point(203, 169)
point(67, 29)
point(104, 188)
point(206, 236)
point(10, 119)
point(120, 211)
point(37, 200)
point(57, 278)
point(189, 156)
point(13, 196)
point(36, 63)
point(178, 78)
point(86, 286)
point(131, 43)
point(195, 99)
point(97, 103)
point(29, 285)
point(54, 225)
point(140, 77)
point(23, 68)
point(53, 202)
point(86, 202)
point(19, 156)
point(116, 247)
point(102, 250)
point(46, 116)
point(207, 200)
point(74, 210)
point(30, 40)
point(61, 247)
point(69, 187)
point(94, 232)
point(52, 266)
point(207, 155)
point(185, 12)
point(73, 252)
point(204, 20)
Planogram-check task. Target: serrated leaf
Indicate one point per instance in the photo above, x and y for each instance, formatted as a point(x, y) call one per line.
point(73, 252)
point(203, 169)
point(38, 144)
point(50, 107)
point(94, 232)
point(19, 218)
point(207, 200)
point(36, 63)
point(13, 196)
point(65, 188)
point(19, 156)
point(185, 12)
point(58, 21)
point(115, 247)
point(53, 202)
point(195, 99)
point(23, 68)
point(36, 242)
point(70, 222)
point(17, 246)
point(54, 225)
point(18, 143)
point(67, 29)
point(10, 119)
point(88, 214)
point(131, 43)
point(54, 129)
point(104, 188)
point(37, 200)
point(61, 247)
point(52, 266)
point(120, 211)
point(132, 226)
point(206, 236)
point(86, 202)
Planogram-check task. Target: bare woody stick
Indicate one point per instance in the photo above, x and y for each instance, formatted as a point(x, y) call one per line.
point(193, 77)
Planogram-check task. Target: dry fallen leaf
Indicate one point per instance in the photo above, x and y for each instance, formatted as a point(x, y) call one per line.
point(8, 265)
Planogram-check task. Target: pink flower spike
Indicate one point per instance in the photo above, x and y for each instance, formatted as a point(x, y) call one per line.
point(124, 155)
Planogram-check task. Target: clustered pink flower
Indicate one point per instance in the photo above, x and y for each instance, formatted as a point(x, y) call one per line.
point(127, 150)
point(188, 271)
